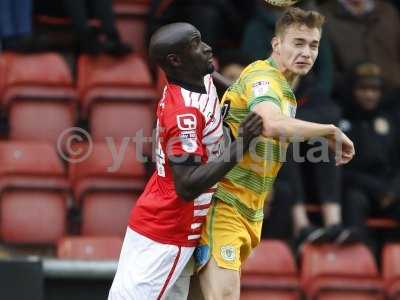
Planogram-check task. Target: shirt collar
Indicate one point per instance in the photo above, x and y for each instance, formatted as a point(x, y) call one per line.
point(272, 62)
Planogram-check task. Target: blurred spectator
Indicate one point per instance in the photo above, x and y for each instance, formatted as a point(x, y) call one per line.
point(363, 30)
point(232, 62)
point(372, 178)
point(397, 3)
point(217, 20)
point(15, 23)
point(260, 30)
point(95, 40)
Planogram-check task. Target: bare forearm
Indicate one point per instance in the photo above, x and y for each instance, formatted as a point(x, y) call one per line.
point(283, 126)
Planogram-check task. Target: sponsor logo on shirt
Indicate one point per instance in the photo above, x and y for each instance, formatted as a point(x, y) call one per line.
point(188, 139)
point(186, 121)
point(260, 88)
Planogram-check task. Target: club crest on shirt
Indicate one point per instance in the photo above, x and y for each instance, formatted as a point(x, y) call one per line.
point(381, 126)
point(260, 88)
point(228, 252)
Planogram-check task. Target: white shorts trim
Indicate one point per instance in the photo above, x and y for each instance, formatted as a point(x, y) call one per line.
point(147, 269)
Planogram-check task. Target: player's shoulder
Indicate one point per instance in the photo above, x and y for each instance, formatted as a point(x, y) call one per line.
point(260, 69)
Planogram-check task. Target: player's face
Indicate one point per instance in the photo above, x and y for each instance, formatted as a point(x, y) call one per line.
point(198, 55)
point(367, 96)
point(298, 48)
point(232, 71)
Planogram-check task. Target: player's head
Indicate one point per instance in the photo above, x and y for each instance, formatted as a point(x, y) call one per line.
point(178, 49)
point(367, 86)
point(296, 41)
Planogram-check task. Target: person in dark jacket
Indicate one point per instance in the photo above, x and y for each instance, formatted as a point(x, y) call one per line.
point(372, 179)
point(367, 30)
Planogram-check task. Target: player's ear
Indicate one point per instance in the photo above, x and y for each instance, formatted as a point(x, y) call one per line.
point(275, 43)
point(174, 60)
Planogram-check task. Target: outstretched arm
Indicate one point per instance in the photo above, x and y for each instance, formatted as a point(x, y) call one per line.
point(278, 125)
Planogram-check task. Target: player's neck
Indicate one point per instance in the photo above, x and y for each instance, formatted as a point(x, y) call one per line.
point(190, 85)
point(190, 81)
point(290, 76)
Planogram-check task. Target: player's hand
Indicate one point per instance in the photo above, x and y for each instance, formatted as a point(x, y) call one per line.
point(250, 127)
point(342, 146)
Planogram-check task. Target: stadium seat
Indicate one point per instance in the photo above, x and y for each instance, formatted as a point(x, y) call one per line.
point(125, 75)
point(32, 216)
point(107, 213)
point(31, 165)
point(391, 270)
point(34, 193)
point(348, 272)
point(161, 82)
point(117, 102)
point(38, 85)
point(43, 120)
point(382, 223)
point(270, 273)
point(105, 190)
point(89, 248)
point(131, 20)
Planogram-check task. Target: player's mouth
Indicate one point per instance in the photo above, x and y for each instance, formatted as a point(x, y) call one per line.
point(302, 64)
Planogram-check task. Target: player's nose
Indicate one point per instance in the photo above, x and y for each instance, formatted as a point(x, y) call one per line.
point(207, 48)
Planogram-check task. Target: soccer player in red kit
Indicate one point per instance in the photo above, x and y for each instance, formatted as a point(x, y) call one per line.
point(166, 223)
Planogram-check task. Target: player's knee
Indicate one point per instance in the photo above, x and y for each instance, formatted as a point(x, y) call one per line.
point(228, 292)
point(230, 289)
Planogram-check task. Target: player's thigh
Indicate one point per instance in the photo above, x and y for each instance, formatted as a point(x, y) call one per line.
point(195, 289)
point(219, 283)
point(147, 269)
point(180, 289)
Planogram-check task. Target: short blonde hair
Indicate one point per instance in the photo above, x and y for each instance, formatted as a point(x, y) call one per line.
point(298, 16)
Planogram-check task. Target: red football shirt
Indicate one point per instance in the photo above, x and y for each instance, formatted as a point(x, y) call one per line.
point(189, 122)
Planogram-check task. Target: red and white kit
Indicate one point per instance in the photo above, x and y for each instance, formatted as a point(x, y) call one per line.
point(164, 229)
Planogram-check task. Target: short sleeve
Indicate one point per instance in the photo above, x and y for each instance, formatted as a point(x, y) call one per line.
point(260, 88)
point(184, 132)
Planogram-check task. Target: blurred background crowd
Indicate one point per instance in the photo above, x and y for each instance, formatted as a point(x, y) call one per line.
point(100, 48)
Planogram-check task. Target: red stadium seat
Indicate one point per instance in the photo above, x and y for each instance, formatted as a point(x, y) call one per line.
point(55, 117)
point(125, 74)
point(107, 213)
point(31, 165)
point(34, 191)
point(391, 270)
point(161, 82)
point(108, 167)
point(89, 248)
point(330, 272)
point(117, 96)
point(270, 273)
point(38, 85)
point(382, 223)
point(32, 216)
point(131, 20)
point(122, 120)
point(106, 190)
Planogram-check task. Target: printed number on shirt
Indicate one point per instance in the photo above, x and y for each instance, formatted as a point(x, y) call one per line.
point(160, 156)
